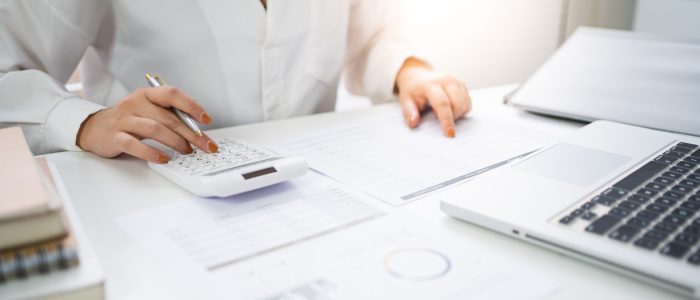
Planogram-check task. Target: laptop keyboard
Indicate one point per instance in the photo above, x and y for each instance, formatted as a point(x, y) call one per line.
point(655, 208)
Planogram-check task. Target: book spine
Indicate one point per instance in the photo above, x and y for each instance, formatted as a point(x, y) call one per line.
point(40, 259)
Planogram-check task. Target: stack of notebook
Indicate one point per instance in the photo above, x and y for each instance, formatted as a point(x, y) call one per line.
point(43, 253)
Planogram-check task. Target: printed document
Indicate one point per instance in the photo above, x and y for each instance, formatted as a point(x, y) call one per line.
point(383, 157)
point(314, 238)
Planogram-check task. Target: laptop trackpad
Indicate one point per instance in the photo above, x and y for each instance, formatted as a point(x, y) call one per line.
point(572, 164)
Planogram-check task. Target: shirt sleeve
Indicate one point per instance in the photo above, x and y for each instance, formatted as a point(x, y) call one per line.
point(42, 43)
point(377, 48)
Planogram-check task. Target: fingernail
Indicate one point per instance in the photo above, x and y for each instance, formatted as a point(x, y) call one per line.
point(451, 132)
point(212, 147)
point(163, 158)
point(189, 150)
point(206, 118)
point(413, 118)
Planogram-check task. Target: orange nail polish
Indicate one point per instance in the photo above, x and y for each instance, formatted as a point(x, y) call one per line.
point(163, 158)
point(450, 132)
point(189, 150)
point(206, 119)
point(212, 147)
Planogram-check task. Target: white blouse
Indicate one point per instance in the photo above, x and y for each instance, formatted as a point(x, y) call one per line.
point(243, 62)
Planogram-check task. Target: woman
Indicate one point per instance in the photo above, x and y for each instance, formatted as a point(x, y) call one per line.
point(243, 61)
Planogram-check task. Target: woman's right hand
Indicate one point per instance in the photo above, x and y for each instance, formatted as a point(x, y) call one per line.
point(145, 114)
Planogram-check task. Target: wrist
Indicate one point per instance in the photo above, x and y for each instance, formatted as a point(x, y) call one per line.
point(81, 131)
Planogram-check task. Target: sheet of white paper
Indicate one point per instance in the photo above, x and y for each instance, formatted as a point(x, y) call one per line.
point(214, 233)
point(271, 244)
point(383, 157)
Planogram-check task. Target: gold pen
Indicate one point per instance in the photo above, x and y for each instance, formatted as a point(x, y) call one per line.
point(156, 81)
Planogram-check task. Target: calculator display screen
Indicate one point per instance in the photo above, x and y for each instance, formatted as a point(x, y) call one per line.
point(259, 173)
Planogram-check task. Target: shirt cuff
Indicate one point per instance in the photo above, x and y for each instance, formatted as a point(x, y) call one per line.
point(64, 122)
point(394, 60)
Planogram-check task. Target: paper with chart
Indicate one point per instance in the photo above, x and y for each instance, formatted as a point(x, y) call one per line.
point(213, 233)
point(381, 156)
point(276, 244)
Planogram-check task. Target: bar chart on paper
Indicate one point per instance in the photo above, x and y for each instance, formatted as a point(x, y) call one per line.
point(384, 158)
point(211, 234)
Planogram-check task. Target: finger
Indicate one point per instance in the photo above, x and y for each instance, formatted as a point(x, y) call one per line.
point(211, 146)
point(168, 118)
point(440, 102)
point(168, 96)
point(152, 129)
point(458, 99)
point(411, 114)
point(469, 98)
point(128, 144)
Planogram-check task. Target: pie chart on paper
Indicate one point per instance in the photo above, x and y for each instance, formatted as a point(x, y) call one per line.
point(419, 264)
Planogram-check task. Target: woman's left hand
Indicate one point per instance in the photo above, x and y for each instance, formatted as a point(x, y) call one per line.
point(419, 86)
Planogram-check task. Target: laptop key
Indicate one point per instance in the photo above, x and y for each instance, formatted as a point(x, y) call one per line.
point(692, 159)
point(690, 205)
point(577, 212)
point(588, 215)
point(620, 212)
point(674, 220)
point(603, 224)
point(656, 208)
point(646, 243)
point(686, 145)
point(679, 169)
point(604, 200)
point(588, 205)
point(694, 259)
point(614, 193)
point(674, 154)
point(647, 192)
point(648, 214)
point(686, 164)
point(674, 195)
point(665, 159)
point(696, 153)
point(695, 198)
point(655, 186)
point(566, 220)
point(638, 222)
point(690, 183)
point(664, 201)
point(656, 235)
point(681, 190)
point(675, 249)
point(624, 233)
point(664, 180)
point(638, 198)
point(665, 227)
point(681, 149)
point(687, 239)
point(639, 176)
point(685, 214)
point(672, 175)
point(693, 230)
point(629, 205)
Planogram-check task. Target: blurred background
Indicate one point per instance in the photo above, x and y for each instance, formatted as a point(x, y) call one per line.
point(494, 42)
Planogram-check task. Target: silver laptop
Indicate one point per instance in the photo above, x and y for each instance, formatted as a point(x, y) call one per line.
point(620, 196)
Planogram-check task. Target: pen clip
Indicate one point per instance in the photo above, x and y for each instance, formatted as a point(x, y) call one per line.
point(160, 80)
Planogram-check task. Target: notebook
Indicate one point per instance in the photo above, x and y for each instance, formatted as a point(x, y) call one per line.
point(30, 210)
point(62, 268)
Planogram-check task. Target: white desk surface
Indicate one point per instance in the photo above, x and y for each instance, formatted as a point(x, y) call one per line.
point(104, 189)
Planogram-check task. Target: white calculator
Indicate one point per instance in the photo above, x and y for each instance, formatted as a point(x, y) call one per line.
point(236, 168)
